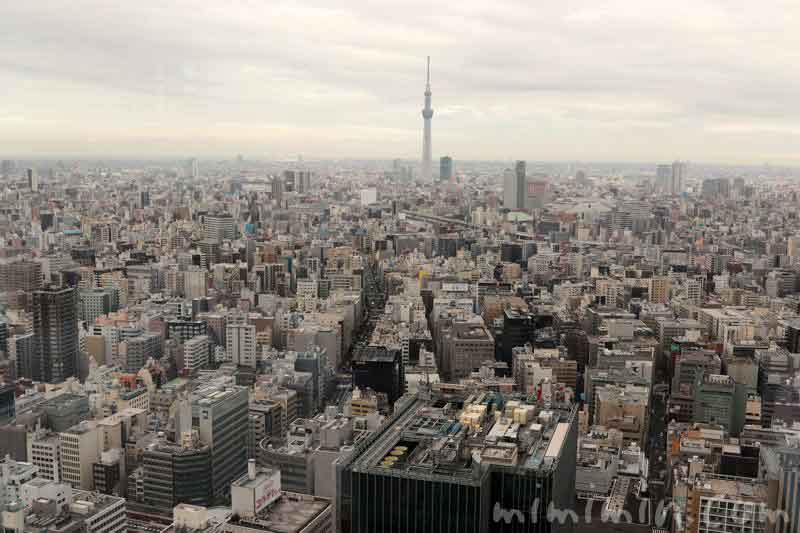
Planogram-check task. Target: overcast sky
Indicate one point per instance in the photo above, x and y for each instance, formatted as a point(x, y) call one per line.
point(590, 80)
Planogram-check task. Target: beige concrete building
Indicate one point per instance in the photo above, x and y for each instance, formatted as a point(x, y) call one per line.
point(624, 408)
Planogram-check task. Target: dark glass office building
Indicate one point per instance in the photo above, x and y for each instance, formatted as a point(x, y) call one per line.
point(55, 328)
point(7, 402)
point(519, 329)
point(381, 370)
point(450, 464)
point(175, 474)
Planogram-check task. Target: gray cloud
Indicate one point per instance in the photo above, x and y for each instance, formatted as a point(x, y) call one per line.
point(620, 79)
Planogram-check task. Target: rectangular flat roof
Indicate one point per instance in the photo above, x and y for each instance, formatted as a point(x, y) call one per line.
point(557, 440)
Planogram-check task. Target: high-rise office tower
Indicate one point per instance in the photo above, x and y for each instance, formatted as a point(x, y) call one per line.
point(304, 181)
point(33, 179)
point(22, 353)
point(297, 180)
point(782, 472)
point(446, 168)
point(55, 328)
point(678, 177)
point(277, 189)
point(222, 412)
point(522, 185)
point(427, 115)
point(515, 187)
point(509, 189)
point(664, 177)
point(315, 362)
point(194, 168)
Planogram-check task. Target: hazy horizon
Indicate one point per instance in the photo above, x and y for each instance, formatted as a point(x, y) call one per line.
point(628, 81)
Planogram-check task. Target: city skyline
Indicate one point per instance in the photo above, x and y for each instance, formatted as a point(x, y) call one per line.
point(244, 290)
point(518, 81)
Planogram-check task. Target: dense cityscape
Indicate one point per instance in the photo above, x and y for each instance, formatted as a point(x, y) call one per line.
point(428, 344)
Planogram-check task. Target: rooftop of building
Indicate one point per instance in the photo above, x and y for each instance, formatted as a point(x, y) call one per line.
point(206, 520)
point(731, 487)
point(84, 506)
point(624, 501)
point(471, 330)
point(377, 353)
point(452, 435)
point(729, 312)
point(98, 500)
point(81, 428)
point(215, 391)
point(156, 442)
point(518, 312)
point(688, 323)
point(16, 468)
point(626, 393)
point(38, 482)
point(120, 416)
point(291, 513)
point(43, 435)
point(633, 372)
point(65, 400)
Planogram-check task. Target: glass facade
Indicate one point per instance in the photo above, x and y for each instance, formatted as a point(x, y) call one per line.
point(405, 505)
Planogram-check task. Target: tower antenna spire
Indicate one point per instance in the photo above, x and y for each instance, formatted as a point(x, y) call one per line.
point(428, 83)
point(427, 115)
